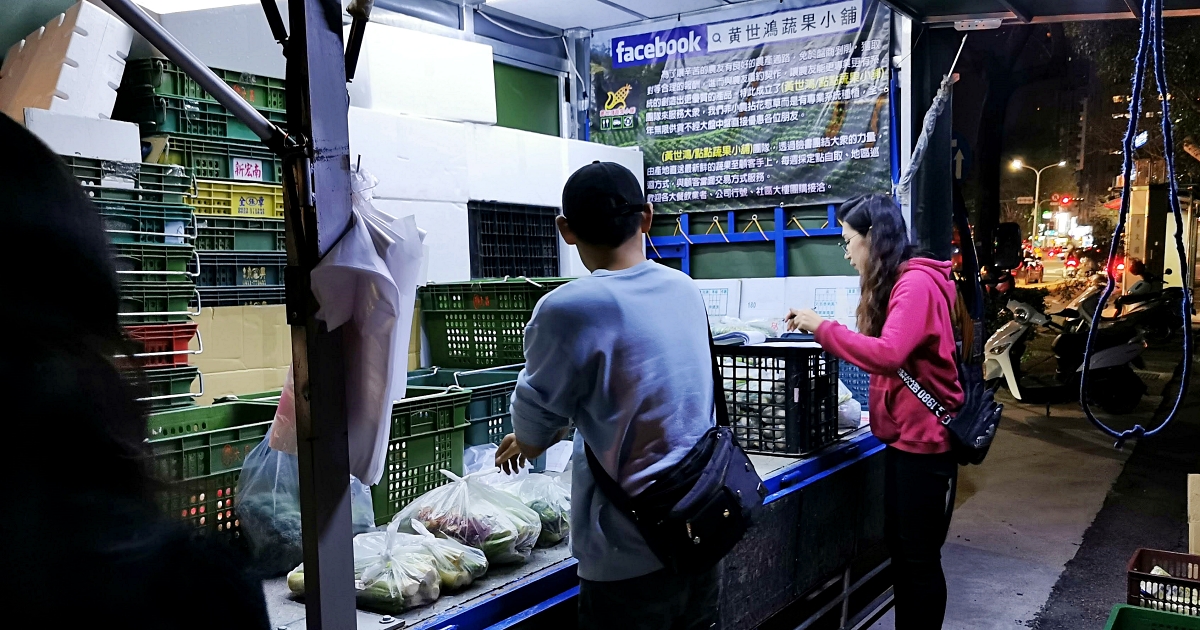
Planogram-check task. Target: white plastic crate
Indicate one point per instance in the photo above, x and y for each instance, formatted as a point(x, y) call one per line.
point(72, 65)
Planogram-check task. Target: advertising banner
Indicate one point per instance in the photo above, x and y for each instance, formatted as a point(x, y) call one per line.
point(786, 108)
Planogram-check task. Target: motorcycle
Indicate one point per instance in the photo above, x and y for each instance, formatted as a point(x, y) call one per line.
point(1031, 270)
point(996, 281)
point(1071, 267)
point(1112, 384)
point(1153, 309)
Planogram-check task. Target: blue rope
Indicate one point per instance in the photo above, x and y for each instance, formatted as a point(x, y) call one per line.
point(1150, 42)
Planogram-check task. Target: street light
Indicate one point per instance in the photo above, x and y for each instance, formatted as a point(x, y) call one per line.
point(1037, 190)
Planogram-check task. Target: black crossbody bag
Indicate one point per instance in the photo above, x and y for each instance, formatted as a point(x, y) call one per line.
point(973, 427)
point(695, 513)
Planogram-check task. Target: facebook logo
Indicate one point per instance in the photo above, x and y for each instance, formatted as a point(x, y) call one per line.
point(647, 48)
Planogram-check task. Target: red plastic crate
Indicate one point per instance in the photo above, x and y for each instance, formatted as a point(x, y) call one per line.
point(163, 345)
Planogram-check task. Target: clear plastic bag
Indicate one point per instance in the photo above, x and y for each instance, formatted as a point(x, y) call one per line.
point(477, 458)
point(549, 497)
point(392, 573)
point(457, 564)
point(283, 429)
point(477, 515)
point(849, 410)
point(268, 508)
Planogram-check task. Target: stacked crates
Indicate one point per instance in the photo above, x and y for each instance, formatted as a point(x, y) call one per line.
point(152, 232)
point(238, 197)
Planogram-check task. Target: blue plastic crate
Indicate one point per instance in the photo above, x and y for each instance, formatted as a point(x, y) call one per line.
point(857, 381)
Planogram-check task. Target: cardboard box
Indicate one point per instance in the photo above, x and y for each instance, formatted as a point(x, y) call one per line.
point(217, 384)
point(1193, 498)
point(238, 338)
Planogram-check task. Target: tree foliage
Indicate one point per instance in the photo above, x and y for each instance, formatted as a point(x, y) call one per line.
point(1112, 47)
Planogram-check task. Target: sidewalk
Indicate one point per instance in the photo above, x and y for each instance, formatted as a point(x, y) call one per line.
point(1028, 515)
point(1147, 507)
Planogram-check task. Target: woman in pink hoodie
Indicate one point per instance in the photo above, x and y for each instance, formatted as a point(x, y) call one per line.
point(905, 318)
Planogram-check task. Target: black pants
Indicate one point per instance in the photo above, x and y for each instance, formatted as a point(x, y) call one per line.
point(658, 601)
point(918, 503)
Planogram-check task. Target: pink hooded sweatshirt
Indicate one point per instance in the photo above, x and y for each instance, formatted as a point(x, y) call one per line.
point(918, 336)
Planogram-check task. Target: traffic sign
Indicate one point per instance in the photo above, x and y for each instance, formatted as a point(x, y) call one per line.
point(1025, 201)
point(960, 156)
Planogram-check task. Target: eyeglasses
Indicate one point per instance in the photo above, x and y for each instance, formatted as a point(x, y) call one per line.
point(846, 243)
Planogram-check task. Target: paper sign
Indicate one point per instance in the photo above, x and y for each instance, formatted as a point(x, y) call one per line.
point(762, 298)
point(251, 170)
point(722, 298)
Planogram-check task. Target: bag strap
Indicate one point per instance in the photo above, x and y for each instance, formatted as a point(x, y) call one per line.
point(612, 489)
point(929, 400)
point(719, 406)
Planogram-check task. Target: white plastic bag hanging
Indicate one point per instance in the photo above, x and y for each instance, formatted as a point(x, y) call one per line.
point(353, 286)
point(477, 515)
point(402, 251)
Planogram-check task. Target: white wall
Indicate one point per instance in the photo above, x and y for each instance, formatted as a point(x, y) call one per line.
point(431, 159)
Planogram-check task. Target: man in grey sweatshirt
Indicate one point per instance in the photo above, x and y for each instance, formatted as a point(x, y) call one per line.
point(624, 353)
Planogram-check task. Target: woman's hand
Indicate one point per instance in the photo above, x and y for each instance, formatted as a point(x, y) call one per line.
point(803, 319)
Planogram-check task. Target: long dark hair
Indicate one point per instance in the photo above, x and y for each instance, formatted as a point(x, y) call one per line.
point(879, 217)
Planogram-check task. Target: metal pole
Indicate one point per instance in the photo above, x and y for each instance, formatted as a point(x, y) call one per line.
point(317, 201)
point(1037, 201)
point(166, 43)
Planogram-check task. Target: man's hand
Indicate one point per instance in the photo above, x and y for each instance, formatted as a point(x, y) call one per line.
point(512, 455)
point(804, 319)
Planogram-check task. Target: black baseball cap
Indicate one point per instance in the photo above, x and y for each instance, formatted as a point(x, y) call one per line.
point(601, 190)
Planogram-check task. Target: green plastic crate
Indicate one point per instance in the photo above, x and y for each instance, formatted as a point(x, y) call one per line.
point(427, 436)
point(481, 324)
point(153, 262)
point(147, 222)
point(270, 397)
point(131, 181)
point(221, 234)
point(200, 468)
point(218, 159)
point(166, 79)
point(491, 396)
point(171, 387)
point(156, 302)
point(156, 114)
point(1126, 617)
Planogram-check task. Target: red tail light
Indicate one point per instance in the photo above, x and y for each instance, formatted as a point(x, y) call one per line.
point(1072, 263)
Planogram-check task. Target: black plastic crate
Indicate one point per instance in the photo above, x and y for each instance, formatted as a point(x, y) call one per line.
point(512, 240)
point(238, 269)
point(240, 296)
point(782, 397)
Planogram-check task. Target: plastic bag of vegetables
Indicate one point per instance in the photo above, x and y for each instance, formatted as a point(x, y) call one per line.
point(457, 564)
point(392, 572)
point(477, 515)
point(268, 508)
point(545, 494)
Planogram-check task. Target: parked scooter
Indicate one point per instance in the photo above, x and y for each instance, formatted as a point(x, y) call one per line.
point(1152, 308)
point(1112, 383)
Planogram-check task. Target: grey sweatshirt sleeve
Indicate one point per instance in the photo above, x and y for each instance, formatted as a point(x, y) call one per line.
point(547, 391)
